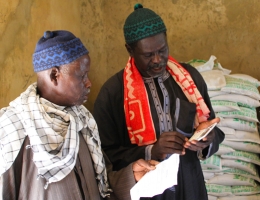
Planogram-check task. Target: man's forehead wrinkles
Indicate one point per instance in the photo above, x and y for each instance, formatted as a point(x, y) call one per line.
point(150, 50)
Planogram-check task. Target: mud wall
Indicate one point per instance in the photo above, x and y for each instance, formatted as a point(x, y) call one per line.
point(228, 29)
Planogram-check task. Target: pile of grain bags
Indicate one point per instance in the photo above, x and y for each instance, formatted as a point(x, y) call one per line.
point(232, 173)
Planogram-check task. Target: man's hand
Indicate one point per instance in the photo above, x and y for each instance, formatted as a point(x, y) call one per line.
point(169, 143)
point(195, 145)
point(141, 167)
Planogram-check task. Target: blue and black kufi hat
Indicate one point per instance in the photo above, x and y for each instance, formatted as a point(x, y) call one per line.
point(142, 23)
point(57, 48)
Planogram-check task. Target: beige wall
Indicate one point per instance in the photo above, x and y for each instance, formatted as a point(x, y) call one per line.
point(228, 29)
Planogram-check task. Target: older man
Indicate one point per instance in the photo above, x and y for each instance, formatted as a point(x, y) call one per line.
point(49, 142)
point(151, 107)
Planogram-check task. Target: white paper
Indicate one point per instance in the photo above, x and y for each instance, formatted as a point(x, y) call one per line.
point(158, 180)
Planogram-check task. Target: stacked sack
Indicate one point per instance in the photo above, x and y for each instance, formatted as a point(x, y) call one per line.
point(1, 185)
point(232, 173)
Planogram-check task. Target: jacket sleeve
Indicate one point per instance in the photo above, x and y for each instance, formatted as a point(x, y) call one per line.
point(202, 87)
point(219, 135)
point(110, 118)
point(120, 181)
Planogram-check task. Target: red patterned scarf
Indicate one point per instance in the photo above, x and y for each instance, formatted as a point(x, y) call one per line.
point(136, 104)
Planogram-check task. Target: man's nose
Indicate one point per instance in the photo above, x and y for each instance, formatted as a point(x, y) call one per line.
point(88, 84)
point(156, 58)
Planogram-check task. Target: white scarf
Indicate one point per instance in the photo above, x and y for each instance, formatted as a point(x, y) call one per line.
point(53, 140)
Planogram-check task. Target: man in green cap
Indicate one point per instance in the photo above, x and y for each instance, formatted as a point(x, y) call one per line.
point(153, 106)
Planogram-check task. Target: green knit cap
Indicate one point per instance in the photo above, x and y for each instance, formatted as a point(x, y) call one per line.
point(142, 23)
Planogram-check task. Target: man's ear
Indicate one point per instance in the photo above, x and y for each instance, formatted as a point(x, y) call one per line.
point(129, 50)
point(55, 75)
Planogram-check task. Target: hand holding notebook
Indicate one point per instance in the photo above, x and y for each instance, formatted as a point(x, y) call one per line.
point(204, 129)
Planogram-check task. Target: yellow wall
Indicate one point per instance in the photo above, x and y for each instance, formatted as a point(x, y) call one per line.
point(228, 29)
